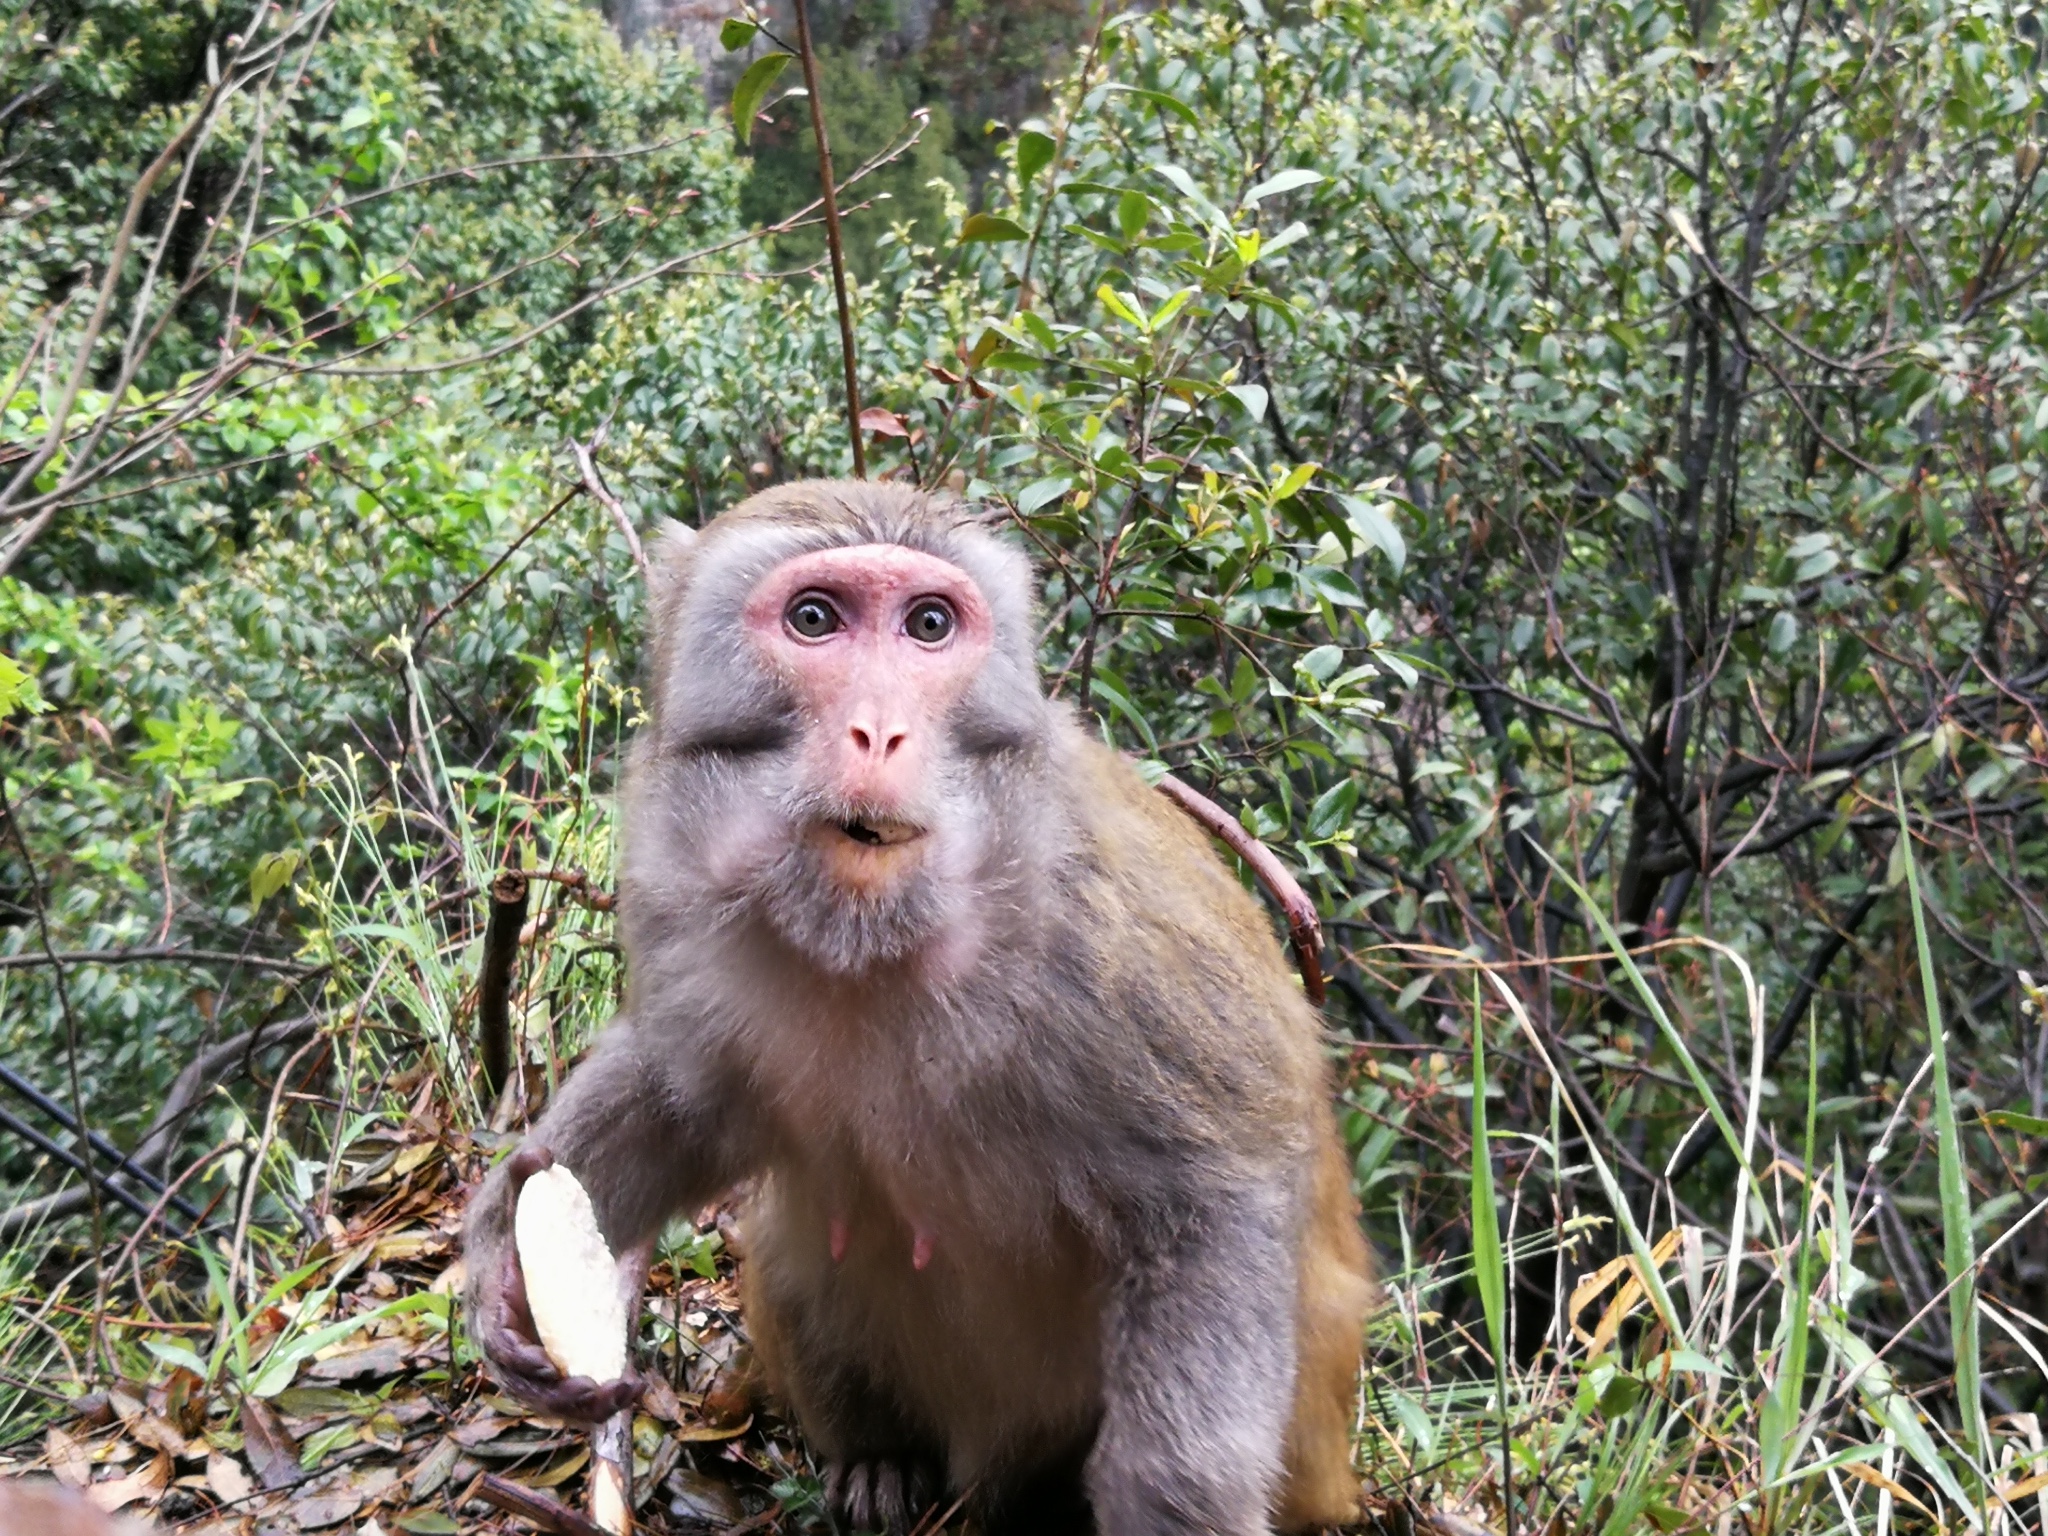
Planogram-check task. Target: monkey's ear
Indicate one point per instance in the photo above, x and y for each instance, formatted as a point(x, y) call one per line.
point(669, 559)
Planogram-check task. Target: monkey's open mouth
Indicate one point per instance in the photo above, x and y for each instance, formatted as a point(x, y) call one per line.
point(879, 832)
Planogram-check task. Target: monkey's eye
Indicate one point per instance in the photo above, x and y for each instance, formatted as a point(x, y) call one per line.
point(930, 622)
point(811, 617)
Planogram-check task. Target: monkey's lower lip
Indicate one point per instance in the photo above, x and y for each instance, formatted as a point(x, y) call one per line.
point(879, 832)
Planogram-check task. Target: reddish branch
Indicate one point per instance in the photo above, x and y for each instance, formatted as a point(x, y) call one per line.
point(1304, 928)
point(542, 1509)
point(579, 887)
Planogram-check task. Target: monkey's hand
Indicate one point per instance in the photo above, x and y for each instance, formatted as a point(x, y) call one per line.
point(502, 1320)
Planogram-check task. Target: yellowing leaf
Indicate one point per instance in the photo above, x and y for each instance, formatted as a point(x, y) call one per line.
point(271, 874)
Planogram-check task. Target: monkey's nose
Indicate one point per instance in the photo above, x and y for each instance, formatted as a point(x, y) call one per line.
point(876, 741)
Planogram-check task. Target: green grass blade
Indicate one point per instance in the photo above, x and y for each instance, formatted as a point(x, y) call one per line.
point(1486, 1249)
point(1489, 1265)
point(1646, 1262)
point(1781, 1446)
point(1670, 1031)
point(1959, 1256)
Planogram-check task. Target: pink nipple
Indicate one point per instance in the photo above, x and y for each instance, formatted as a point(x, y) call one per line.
point(838, 1238)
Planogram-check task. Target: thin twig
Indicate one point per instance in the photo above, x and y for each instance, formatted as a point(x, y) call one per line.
point(512, 549)
point(833, 242)
point(153, 952)
point(207, 1070)
point(257, 1157)
point(594, 488)
point(42, 913)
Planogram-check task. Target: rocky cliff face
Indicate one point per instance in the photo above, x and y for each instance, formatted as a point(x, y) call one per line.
point(692, 23)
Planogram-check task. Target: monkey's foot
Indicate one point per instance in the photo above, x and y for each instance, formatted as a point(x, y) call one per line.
point(882, 1494)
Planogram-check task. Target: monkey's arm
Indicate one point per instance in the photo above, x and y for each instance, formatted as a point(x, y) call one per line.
point(1198, 1368)
point(648, 1130)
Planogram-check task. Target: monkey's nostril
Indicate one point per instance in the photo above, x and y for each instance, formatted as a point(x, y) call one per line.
point(862, 741)
point(889, 747)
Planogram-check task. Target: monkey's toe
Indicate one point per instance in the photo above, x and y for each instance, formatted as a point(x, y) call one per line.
point(884, 1494)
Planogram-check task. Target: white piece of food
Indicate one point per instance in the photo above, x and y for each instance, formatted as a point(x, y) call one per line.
point(572, 1283)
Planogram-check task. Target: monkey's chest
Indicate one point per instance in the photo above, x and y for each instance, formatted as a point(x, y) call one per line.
point(980, 1314)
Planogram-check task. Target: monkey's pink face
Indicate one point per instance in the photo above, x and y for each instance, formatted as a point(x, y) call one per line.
point(877, 642)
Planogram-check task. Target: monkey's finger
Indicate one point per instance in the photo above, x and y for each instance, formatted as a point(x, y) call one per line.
point(859, 1503)
point(518, 1311)
point(517, 1356)
point(526, 1162)
point(890, 1509)
point(579, 1397)
point(623, 1394)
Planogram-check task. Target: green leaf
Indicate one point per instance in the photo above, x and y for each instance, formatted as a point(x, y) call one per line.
point(1164, 103)
point(2013, 1120)
point(1123, 306)
point(1111, 689)
point(1375, 525)
point(271, 874)
point(991, 227)
point(1251, 397)
point(1292, 483)
point(1488, 1260)
point(753, 86)
point(1322, 662)
point(18, 690)
point(1959, 1256)
point(1333, 808)
point(1039, 492)
point(735, 33)
point(1134, 208)
point(1286, 181)
point(1034, 153)
point(1784, 630)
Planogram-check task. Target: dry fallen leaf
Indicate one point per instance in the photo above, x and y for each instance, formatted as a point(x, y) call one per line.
point(146, 1484)
point(269, 1449)
point(659, 1399)
point(432, 1470)
point(336, 1496)
point(226, 1477)
point(382, 1357)
point(70, 1462)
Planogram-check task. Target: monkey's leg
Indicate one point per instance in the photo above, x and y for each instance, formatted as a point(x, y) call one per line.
point(1321, 1488)
point(881, 1473)
point(1198, 1368)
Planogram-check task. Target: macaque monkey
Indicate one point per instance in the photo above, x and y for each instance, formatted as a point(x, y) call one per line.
point(1046, 1204)
point(37, 1507)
